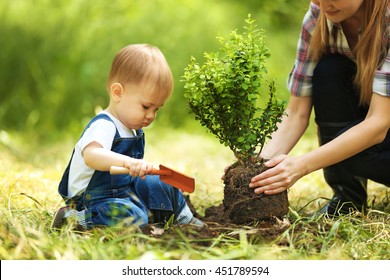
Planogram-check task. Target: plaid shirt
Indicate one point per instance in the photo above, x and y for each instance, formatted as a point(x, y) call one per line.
point(299, 81)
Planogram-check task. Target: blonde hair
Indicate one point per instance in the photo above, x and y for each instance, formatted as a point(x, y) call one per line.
point(371, 49)
point(141, 63)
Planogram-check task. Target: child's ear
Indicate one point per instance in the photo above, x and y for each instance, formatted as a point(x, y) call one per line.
point(116, 91)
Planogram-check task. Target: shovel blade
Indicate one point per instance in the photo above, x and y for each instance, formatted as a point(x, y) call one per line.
point(178, 180)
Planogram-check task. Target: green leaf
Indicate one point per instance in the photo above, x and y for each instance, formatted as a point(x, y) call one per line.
point(225, 92)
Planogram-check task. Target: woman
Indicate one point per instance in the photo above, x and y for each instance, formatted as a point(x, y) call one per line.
point(342, 70)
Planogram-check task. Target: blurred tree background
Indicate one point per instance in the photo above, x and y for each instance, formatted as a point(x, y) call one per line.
point(55, 55)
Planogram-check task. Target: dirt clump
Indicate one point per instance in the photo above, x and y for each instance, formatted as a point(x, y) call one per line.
point(261, 216)
point(241, 204)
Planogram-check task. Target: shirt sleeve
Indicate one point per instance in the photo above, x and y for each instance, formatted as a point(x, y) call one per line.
point(381, 84)
point(101, 131)
point(300, 78)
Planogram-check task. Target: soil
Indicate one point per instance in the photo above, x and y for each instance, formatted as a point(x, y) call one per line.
point(261, 216)
point(241, 204)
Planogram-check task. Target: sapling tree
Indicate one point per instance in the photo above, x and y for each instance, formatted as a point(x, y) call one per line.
point(230, 96)
point(226, 93)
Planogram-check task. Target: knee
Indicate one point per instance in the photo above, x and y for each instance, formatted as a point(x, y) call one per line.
point(335, 96)
point(137, 217)
point(334, 67)
point(333, 75)
point(119, 211)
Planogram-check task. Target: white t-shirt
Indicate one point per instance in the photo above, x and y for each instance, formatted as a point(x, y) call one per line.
point(103, 132)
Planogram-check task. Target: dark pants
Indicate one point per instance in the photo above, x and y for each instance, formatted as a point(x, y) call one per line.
point(336, 108)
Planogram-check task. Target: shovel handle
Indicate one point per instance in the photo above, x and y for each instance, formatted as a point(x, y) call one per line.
point(116, 170)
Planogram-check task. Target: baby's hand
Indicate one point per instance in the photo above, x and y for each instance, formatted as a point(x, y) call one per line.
point(138, 167)
point(224, 172)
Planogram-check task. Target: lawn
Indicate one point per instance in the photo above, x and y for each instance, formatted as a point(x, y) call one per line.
point(29, 175)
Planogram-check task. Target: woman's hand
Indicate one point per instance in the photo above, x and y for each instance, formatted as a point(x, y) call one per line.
point(224, 172)
point(283, 173)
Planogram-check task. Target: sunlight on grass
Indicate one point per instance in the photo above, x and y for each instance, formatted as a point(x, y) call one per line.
point(29, 177)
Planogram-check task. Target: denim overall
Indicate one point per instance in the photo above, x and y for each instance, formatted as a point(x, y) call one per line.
point(110, 199)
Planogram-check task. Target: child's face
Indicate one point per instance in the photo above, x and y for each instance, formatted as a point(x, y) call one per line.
point(138, 106)
point(339, 10)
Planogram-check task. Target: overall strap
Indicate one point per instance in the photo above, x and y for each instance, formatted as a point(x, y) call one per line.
point(63, 185)
point(100, 117)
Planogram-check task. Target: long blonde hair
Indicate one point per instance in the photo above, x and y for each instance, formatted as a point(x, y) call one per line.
point(371, 49)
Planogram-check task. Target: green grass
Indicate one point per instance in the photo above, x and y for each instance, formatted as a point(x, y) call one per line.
point(28, 197)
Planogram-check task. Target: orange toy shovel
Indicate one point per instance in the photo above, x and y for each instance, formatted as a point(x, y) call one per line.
point(167, 175)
